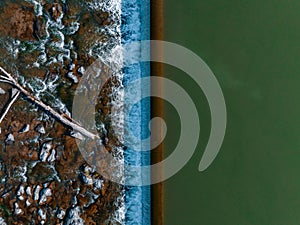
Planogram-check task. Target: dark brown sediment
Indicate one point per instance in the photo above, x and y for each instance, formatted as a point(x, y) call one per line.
point(157, 190)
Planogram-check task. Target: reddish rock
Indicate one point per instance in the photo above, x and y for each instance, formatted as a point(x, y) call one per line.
point(56, 11)
point(17, 21)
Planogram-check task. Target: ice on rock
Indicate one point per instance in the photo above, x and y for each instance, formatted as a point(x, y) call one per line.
point(45, 151)
point(42, 215)
point(61, 214)
point(87, 179)
point(41, 129)
point(2, 221)
point(10, 138)
point(72, 77)
point(72, 66)
point(20, 192)
point(51, 158)
point(86, 175)
point(25, 128)
point(28, 191)
point(2, 92)
point(45, 193)
point(98, 184)
point(28, 203)
point(37, 193)
point(17, 209)
point(73, 217)
point(81, 70)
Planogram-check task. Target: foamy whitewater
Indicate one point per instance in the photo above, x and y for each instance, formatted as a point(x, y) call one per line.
point(136, 27)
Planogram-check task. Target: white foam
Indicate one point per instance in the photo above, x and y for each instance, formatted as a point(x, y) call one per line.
point(73, 217)
point(37, 192)
point(42, 214)
point(2, 221)
point(17, 209)
point(28, 191)
point(61, 214)
point(45, 150)
point(45, 193)
point(51, 158)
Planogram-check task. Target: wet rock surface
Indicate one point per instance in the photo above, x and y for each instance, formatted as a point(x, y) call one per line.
point(48, 181)
point(17, 20)
point(43, 177)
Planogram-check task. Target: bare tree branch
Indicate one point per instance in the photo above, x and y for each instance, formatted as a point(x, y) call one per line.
point(6, 81)
point(14, 97)
point(8, 78)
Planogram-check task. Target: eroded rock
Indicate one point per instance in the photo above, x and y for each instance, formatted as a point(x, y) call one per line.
point(17, 21)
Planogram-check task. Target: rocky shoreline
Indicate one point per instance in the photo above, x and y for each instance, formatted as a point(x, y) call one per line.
point(44, 178)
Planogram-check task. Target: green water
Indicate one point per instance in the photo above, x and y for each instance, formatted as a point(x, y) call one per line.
point(253, 48)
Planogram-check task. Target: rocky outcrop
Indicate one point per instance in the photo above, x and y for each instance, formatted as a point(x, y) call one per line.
point(18, 21)
point(44, 178)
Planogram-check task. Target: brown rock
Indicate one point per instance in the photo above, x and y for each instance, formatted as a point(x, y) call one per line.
point(55, 10)
point(33, 155)
point(15, 126)
point(17, 21)
point(40, 27)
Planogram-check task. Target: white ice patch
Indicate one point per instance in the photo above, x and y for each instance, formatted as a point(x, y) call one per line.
point(42, 215)
point(51, 158)
point(28, 203)
point(45, 193)
point(2, 92)
point(98, 184)
point(38, 8)
point(61, 214)
point(17, 209)
point(37, 193)
point(73, 217)
point(28, 191)
point(2, 221)
point(73, 28)
point(87, 179)
point(44, 153)
point(10, 138)
point(20, 192)
point(81, 70)
point(25, 128)
point(72, 77)
point(21, 171)
point(41, 129)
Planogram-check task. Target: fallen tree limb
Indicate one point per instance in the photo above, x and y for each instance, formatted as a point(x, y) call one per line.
point(8, 78)
point(14, 97)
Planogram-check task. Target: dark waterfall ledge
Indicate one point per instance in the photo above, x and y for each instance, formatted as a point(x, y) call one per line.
point(156, 33)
